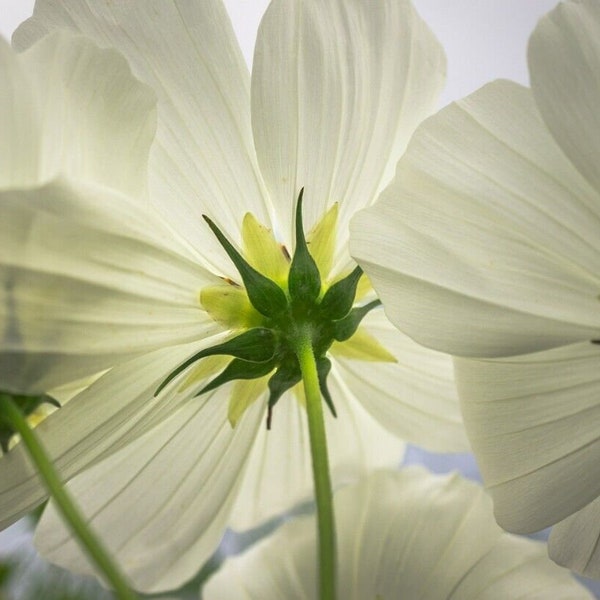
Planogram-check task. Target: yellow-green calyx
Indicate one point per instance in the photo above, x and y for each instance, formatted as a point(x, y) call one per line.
point(277, 313)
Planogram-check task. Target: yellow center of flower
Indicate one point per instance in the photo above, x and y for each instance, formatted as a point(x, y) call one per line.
point(229, 304)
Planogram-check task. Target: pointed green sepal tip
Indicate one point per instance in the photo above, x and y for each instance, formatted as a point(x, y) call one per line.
point(323, 369)
point(304, 282)
point(345, 328)
point(286, 377)
point(256, 345)
point(264, 294)
point(339, 298)
point(238, 369)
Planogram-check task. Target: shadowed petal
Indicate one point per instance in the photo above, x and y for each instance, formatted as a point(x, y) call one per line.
point(564, 62)
point(401, 535)
point(160, 505)
point(534, 424)
point(490, 247)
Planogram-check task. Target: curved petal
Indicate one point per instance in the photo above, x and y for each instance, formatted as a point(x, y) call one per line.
point(97, 121)
point(337, 89)
point(203, 158)
point(534, 424)
point(279, 473)
point(113, 411)
point(400, 535)
point(574, 542)
point(161, 504)
point(564, 61)
point(490, 247)
point(414, 398)
point(86, 282)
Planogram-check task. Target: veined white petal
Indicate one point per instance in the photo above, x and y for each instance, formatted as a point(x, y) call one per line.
point(113, 411)
point(400, 535)
point(86, 282)
point(574, 543)
point(203, 159)
point(96, 120)
point(337, 89)
point(19, 123)
point(564, 62)
point(414, 398)
point(534, 424)
point(490, 247)
point(279, 473)
point(161, 504)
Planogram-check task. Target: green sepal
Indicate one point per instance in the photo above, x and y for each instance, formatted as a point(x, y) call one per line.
point(345, 328)
point(239, 369)
point(304, 281)
point(286, 377)
point(323, 368)
point(255, 345)
point(339, 298)
point(27, 405)
point(264, 294)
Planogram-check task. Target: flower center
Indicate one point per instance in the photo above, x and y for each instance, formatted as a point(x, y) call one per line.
point(281, 303)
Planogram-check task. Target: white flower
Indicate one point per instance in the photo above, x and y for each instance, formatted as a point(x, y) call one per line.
point(401, 535)
point(124, 281)
point(492, 228)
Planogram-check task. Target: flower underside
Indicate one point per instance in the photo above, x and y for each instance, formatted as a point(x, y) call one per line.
point(276, 312)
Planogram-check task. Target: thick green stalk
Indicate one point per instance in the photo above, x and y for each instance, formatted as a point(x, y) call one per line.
point(88, 541)
point(320, 464)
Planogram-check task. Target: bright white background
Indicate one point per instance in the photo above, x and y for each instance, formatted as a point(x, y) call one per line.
point(483, 40)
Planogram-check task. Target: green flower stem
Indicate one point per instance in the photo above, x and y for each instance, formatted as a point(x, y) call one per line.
point(320, 463)
point(11, 413)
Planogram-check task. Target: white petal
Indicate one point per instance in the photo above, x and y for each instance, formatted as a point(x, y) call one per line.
point(574, 543)
point(534, 424)
point(401, 535)
point(337, 89)
point(97, 122)
point(279, 473)
point(564, 62)
point(161, 504)
point(490, 247)
point(19, 123)
point(416, 397)
point(203, 158)
point(86, 282)
point(112, 412)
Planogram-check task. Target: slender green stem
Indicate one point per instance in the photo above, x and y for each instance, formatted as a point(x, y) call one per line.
point(320, 464)
point(89, 542)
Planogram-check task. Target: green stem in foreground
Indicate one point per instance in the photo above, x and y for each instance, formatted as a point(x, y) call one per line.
point(320, 463)
point(11, 413)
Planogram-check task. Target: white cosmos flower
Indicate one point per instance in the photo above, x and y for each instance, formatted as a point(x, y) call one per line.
point(492, 229)
point(405, 534)
point(104, 277)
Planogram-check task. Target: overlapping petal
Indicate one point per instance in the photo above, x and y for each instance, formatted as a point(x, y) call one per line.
point(574, 542)
point(112, 412)
point(490, 247)
point(203, 158)
point(337, 89)
point(86, 282)
point(564, 62)
point(279, 473)
point(415, 397)
point(408, 535)
point(534, 423)
point(176, 484)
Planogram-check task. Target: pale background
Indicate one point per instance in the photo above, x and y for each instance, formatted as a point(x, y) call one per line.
point(483, 39)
